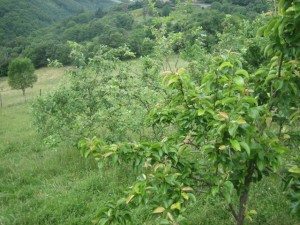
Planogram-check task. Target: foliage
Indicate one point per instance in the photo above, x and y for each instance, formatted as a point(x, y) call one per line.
point(227, 131)
point(20, 17)
point(101, 98)
point(21, 74)
point(54, 63)
point(240, 36)
point(47, 36)
point(42, 186)
point(282, 82)
point(215, 128)
point(218, 144)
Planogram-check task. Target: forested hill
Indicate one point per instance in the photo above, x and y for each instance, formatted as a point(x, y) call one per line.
point(41, 30)
point(21, 17)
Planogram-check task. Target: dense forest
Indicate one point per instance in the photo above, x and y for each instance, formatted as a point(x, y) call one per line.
point(184, 112)
point(18, 19)
point(23, 37)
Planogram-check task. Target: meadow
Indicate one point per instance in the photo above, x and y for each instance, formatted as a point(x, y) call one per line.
point(39, 185)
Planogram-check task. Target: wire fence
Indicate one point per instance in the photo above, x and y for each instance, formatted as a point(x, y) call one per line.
point(14, 97)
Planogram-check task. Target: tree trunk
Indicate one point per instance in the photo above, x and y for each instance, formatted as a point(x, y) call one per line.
point(23, 91)
point(244, 197)
point(242, 209)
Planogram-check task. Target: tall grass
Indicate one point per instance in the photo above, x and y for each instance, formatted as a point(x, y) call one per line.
point(42, 186)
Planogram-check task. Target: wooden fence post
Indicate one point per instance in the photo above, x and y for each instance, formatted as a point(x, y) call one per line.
point(1, 99)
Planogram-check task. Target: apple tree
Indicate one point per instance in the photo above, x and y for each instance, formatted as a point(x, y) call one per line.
point(21, 74)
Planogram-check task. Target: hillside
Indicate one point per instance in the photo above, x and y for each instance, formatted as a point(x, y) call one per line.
point(157, 113)
point(114, 27)
point(21, 17)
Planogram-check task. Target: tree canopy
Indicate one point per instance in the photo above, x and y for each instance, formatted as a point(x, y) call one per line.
point(21, 74)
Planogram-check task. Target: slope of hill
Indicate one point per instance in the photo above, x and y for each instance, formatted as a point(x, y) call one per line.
point(40, 31)
point(21, 17)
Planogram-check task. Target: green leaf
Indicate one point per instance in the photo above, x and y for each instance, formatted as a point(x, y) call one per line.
point(185, 195)
point(239, 81)
point(271, 77)
point(278, 84)
point(227, 197)
point(87, 153)
point(107, 154)
point(137, 161)
point(241, 121)
point(192, 197)
point(250, 100)
point(137, 188)
point(173, 80)
point(233, 126)
point(229, 186)
point(260, 31)
point(246, 147)
point(280, 149)
point(201, 112)
point(253, 212)
point(260, 164)
point(222, 128)
point(225, 64)
point(235, 145)
point(229, 100)
point(242, 72)
point(253, 113)
point(207, 147)
point(259, 72)
point(294, 169)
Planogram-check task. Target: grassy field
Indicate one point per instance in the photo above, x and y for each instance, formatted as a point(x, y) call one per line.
point(48, 78)
point(43, 186)
point(39, 185)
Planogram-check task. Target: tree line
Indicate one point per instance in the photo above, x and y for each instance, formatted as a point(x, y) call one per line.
point(121, 25)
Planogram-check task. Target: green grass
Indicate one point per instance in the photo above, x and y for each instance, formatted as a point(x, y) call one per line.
point(48, 78)
point(40, 186)
point(43, 186)
point(266, 198)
